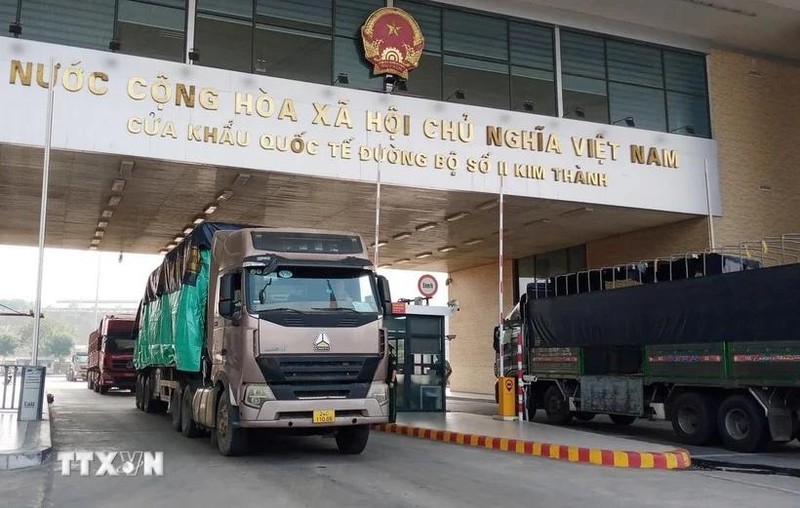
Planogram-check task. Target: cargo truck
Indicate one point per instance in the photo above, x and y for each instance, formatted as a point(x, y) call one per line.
point(708, 341)
point(110, 362)
point(245, 329)
point(77, 364)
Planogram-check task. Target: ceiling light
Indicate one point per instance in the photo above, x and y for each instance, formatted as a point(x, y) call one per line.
point(456, 216)
point(210, 209)
point(93, 247)
point(426, 226)
point(198, 220)
point(99, 233)
point(449, 248)
point(488, 205)
point(381, 243)
point(577, 211)
point(125, 168)
point(114, 200)
point(118, 185)
point(225, 195)
point(474, 241)
point(401, 236)
point(95, 241)
point(755, 73)
point(385, 266)
point(187, 230)
point(106, 214)
point(423, 255)
point(765, 188)
point(402, 261)
point(241, 179)
point(538, 221)
point(178, 239)
point(171, 246)
point(102, 224)
point(163, 251)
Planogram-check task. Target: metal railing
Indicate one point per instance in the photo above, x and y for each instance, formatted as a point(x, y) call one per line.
point(746, 255)
point(11, 386)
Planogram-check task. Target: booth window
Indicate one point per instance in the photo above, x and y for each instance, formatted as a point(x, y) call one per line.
point(85, 24)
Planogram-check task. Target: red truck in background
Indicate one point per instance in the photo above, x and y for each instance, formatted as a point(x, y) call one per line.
point(111, 355)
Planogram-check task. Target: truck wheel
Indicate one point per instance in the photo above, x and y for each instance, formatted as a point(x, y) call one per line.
point(693, 418)
point(175, 402)
point(622, 419)
point(231, 439)
point(103, 390)
point(556, 406)
point(88, 381)
point(96, 387)
point(188, 426)
point(742, 424)
point(584, 416)
point(352, 440)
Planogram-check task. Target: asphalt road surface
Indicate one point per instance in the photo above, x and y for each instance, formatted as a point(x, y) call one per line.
point(394, 471)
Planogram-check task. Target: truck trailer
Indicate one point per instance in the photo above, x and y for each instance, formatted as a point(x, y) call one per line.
point(244, 329)
point(110, 362)
point(708, 341)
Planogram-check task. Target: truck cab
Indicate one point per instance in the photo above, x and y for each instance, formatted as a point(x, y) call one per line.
point(110, 358)
point(77, 365)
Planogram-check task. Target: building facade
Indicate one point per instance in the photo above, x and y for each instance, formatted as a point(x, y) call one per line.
point(606, 139)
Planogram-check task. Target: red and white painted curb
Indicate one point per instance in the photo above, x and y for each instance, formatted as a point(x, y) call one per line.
point(674, 459)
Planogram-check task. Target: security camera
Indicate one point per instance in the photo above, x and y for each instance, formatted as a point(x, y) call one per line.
point(454, 305)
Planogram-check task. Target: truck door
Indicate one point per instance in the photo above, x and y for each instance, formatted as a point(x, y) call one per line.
point(227, 315)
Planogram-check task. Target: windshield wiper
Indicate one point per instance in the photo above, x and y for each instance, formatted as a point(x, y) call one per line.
point(347, 309)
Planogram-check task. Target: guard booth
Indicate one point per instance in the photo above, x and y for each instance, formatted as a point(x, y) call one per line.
point(417, 335)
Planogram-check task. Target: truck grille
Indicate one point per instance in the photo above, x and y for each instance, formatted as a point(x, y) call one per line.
point(294, 377)
point(118, 364)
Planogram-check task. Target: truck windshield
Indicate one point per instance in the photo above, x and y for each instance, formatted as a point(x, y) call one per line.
point(81, 358)
point(119, 344)
point(311, 289)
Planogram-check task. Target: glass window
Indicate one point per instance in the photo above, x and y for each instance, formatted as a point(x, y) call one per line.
point(349, 59)
point(224, 42)
point(585, 99)
point(645, 106)
point(532, 76)
point(351, 14)
point(426, 80)
point(232, 8)
point(292, 54)
point(685, 72)
point(582, 55)
point(475, 35)
point(688, 114)
point(635, 64)
point(86, 24)
point(483, 83)
point(311, 15)
point(152, 29)
point(8, 15)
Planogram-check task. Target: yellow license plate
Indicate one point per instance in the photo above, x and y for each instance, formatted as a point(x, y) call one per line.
point(324, 416)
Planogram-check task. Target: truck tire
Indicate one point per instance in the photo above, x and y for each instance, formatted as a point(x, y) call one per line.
point(89, 382)
point(742, 424)
point(556, 406)
point(352, 440)
point(693, 418)
point(175, 402)
point(188, 426)
point(103, 390)
point(584, 416)
point(230, 438)
point(531, 405)
point(96, 387)
point(622, 419)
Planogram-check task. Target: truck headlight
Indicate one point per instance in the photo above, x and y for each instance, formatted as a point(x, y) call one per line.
point(256, 395)
point(379, 391)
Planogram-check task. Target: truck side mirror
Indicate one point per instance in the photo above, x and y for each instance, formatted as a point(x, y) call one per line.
point(496, 339)
point(226, 308)
point(385, 295)
point(229, 284)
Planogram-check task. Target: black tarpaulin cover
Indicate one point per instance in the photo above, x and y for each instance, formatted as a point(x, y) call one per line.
point(751, 305)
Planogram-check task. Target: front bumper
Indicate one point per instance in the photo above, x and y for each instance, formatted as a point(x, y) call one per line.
point(118, 379)
point(298, 413)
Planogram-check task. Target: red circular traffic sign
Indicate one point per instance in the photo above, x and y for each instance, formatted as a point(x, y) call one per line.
point(427, 285)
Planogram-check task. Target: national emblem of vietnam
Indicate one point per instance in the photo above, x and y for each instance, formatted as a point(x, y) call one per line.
point(393, 42)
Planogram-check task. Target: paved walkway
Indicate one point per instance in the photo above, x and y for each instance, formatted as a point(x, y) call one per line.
point(538, 439)
point(24, 444)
